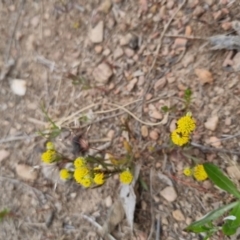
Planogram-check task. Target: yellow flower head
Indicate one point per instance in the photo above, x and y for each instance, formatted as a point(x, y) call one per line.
point(86, 182)
point(80, 173)
point(199, 173)
point(187, 172)
point(126, 177)
point(186, 124)
point(65, 174)
point(79, 162)
point(49, 156)
point(50, 146)
point(99, 178)
point(179, 138)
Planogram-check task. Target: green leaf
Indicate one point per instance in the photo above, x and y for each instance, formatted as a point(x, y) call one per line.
point(220, 180)
point(210, 217)
point(3, 214)
point(165, 109)
point(143, 184)
point(231, 226)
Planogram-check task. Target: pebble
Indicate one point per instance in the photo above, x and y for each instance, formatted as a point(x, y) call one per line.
point(117, 53)
point(234, 172)
point(108, 201)
point(125, 40)
point(226, 26)
point(144, 131)
point(180, 43)
point(187, 60)
point(211, 123)
point(105, 6)
point(18, 86)
point(178, 215)
point(160, 84)
point(35, 21)
point(155, 114)
point(26, 172)
point(102, 73)
point(236, 62)
point(172, 126)
point(204, 75)
point(198, 11)
point(154, 135)
point(214, 141)
point(47, 32)
point(110, 134)
point(106, 52)
point(132, 84)
point(98, 49)
point(169, 194)
point(129, 52)
point(3, 154)
point(96, 33)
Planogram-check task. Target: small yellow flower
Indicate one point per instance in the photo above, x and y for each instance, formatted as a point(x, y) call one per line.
point(186, 124)
point(80, 173)
point(187, 172)
point(199, 173)
point(79, 162)
point(50, 146)
point(99, 178)
point(179, 138)
point(65, 174)
point(126, 177)
point(49, 156)
point(86, 182)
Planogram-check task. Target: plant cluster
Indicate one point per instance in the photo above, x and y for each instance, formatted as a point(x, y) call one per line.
point(90, 171)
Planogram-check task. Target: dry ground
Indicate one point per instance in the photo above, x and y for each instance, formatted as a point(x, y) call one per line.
point(48, 42)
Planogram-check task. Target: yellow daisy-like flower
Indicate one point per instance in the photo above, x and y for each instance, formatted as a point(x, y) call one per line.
point(187, 172)
point(49, 156)
point(126, 177)
point(86, 182)
point(65, 174)
point(179, 138)
point(80, 173)
point(79, 162)
point(186, 124)
point(50, 146)
point(99, 178)
point(199, 173)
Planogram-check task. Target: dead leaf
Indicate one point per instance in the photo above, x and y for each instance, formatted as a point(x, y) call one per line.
point(204, 75)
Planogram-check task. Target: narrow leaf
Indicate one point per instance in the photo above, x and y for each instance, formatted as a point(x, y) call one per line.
point(219, 179)
point(231, 226)
point(210, 216)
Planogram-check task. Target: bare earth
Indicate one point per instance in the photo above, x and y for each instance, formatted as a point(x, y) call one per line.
point(91, 57)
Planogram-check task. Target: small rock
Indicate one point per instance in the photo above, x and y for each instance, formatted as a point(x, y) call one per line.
point(117, 53)
point(125, 40)
point(148, 96)
point(106, 52)
point(96, 33)
point(214, 141)
point(155, 114)
point(236, 62)
point(160, 84)
point(132, 84)
point(226, 26)
point(154, 135)
point(35, 21)
point(180, 43)
point(110, 134)
point(105, 6)
point(177, 214)
point(169, 194)
point(207, 184)
point(211, 123)
point(12, 8)
point(129, 52)
point(173, 126)
point(234, 172)
point(198, 11)
point(188, 31)
point(170, 4)
point(18, 86)
point(102, 73)
point(73, 195)
point(26, 172)
point(108, 201)
point(144, 131)
point(187, 60)
point(204, 75)
point(209, 2)
point(47, 32)
point(3, 154)
point(98, 49)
